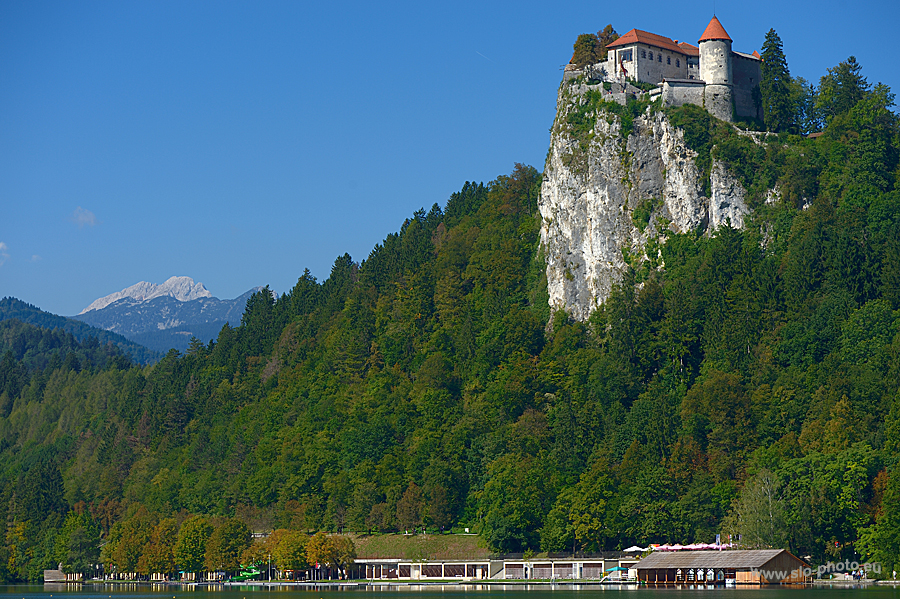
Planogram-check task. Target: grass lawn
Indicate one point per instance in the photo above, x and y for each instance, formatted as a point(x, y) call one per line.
point(419, 547)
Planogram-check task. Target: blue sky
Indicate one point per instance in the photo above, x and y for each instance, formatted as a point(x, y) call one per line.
point(241, 142)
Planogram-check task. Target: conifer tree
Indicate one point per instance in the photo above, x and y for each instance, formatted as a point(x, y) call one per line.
point(775, 87)
point(841, 89)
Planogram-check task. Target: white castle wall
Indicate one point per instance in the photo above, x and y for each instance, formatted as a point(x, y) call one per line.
point(677, 93)
point(716, 71)
point(715, 62)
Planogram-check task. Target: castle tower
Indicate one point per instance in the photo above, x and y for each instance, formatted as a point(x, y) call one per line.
point(716, 70)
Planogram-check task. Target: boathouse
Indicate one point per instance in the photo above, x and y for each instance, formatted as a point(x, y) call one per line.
point(762, 566)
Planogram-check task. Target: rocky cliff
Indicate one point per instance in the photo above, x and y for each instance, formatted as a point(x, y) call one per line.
point(614, 182)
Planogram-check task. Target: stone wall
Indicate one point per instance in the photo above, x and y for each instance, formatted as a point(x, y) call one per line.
point(655, 70)
point(717, 101)
point(715, 62)
point(747, 75)
point(642, 68)
point(678, 93)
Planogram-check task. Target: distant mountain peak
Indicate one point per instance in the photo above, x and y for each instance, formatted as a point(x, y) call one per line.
point(182, 289)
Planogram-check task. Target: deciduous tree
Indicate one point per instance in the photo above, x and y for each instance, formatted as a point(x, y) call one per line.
point(190, 545)
point(758, 514)
point(225, 546)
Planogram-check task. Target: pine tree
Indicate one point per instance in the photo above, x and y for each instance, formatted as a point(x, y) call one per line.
point(775, 87)
point(841, 89)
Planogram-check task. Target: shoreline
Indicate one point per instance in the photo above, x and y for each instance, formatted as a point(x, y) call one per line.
point(350, 583)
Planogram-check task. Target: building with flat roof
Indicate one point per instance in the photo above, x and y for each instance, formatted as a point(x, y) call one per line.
point(546, 568)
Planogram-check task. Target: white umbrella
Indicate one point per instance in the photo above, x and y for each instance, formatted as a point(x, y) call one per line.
point(635, 548)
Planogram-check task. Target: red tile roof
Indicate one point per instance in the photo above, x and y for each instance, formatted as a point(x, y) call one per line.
point(636, 36)
point(689, 49)
point(714, 31)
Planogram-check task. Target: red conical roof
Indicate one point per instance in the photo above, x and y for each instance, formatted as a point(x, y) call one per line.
point(714, 31)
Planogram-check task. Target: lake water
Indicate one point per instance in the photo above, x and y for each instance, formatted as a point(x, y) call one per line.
point(119, 591)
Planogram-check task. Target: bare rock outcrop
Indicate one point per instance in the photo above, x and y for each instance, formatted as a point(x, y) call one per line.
point(611, 189)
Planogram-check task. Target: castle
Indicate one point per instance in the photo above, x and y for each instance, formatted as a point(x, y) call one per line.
point(712, 75)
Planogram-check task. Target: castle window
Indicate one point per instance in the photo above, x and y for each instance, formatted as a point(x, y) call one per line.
point(644, 54)
point(651, 56)
point(659, 58)
point(625, 54)
point(668, 60)
point(677, 63)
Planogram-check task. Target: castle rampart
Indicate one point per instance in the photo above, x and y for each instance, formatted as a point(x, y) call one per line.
point(711, 74)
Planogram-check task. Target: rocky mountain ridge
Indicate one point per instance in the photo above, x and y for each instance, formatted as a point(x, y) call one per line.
point(165, 316)
point(182, 289)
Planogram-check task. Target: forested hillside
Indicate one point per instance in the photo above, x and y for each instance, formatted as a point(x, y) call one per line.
point(429, 383)
point(12, 308)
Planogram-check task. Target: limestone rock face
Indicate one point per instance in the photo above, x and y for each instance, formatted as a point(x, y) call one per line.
point(728, 204)
point(606, 200)
point(182, 289)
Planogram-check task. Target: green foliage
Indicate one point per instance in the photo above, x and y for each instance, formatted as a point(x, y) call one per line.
point(11, 308)
point(189, 550)
point(225, 546)
point(590, 48)
point(758, 516)
point(775, 86)
point(586, 50)
point(841, 89)
point(808, 118)
point(697, 125)
point(127, 540)
point(641, 214)
point(289, 552)
point(581, 514)
point(627, 114)
point(78, 544)
point(606, 36)
point(581, 117)
point(159, 554)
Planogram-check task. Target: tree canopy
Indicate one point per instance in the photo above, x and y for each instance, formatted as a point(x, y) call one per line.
point(590, 48)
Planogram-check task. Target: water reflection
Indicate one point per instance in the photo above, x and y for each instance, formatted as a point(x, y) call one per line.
point(384, 590)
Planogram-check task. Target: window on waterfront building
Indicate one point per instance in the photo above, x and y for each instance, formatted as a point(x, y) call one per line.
point(659, 58)
point(625, 54)
point(668, 60)
point(644, 54)
point(651, 56)
point(677, 63)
